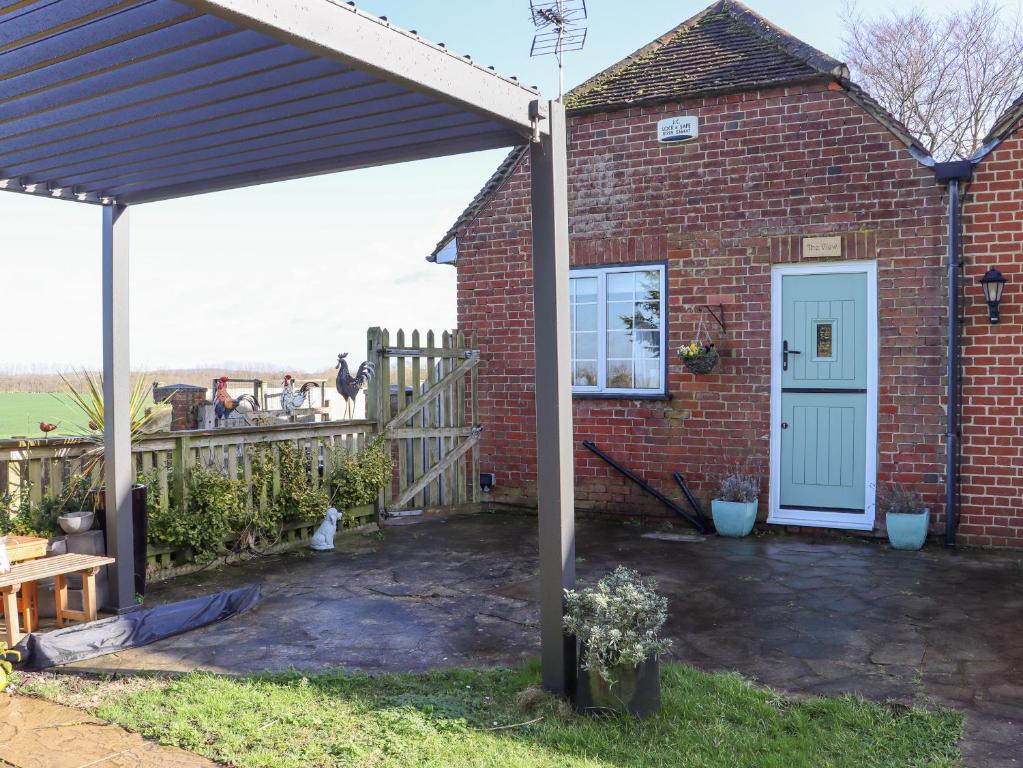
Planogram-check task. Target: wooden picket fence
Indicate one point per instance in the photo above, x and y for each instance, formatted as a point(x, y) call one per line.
point(425, 398)
point(47, 465)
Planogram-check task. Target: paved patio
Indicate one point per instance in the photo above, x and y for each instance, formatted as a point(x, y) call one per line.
point(806, 616)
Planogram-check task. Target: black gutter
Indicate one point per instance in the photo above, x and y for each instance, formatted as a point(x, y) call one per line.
point(953, 173)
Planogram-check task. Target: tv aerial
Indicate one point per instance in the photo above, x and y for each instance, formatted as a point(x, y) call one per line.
point(559, 30)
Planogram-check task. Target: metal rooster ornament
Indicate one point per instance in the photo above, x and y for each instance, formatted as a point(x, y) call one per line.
point(224, 404)
point(348, 386)
point(292, 399)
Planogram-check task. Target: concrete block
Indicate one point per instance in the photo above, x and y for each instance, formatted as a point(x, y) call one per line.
point(87, 543)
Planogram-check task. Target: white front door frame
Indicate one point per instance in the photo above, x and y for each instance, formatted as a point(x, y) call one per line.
point(812, 517)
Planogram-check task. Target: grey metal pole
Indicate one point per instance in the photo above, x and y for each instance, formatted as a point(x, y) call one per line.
point(554, 460)
point(118, 474)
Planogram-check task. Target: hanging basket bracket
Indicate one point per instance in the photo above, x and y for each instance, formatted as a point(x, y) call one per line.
point(719, 315)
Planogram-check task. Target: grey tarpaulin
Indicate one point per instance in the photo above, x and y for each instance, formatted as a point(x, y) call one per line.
point(131, 630)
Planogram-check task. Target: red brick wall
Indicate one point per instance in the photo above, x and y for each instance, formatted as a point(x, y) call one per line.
point(992, 450)
point(768, 168)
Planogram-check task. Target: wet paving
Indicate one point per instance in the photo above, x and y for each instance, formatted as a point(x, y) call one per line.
point(807, 616)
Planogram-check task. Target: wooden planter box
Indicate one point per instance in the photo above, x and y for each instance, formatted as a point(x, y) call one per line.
point(166, 562)
point(25, 548)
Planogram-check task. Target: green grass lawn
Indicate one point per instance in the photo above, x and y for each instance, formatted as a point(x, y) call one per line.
point(21, 412)
point(498, 718)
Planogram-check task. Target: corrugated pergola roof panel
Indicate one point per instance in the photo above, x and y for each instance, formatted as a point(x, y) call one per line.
point(140, 100)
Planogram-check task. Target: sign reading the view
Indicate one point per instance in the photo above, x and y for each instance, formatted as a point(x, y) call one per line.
point(822, 247)
point(681, 128)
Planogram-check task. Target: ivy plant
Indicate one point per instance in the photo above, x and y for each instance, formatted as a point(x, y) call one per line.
point(216, 509)
point(356, 478)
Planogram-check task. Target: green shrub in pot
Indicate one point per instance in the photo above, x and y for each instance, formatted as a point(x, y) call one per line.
point(618, 624)
point(734, 508)
point(906, 518)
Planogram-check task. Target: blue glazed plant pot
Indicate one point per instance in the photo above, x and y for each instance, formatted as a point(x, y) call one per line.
point(733, 518)
point(908, 530)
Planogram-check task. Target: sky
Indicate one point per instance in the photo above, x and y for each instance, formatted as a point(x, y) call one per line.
point(292, 273)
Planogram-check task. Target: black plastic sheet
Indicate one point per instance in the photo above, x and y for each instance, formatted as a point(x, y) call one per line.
point(132, 630)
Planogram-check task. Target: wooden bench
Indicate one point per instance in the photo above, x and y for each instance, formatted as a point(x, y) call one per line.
point(58, 567)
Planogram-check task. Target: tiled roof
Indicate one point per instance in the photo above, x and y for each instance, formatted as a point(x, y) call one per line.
point(726, 47)
point(1006, 121)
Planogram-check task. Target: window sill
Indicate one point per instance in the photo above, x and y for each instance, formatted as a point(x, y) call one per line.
point(620, 396)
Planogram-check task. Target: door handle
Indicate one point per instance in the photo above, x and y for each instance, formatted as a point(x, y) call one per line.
point(785, 352)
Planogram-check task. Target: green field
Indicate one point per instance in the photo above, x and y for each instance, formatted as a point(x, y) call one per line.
point(21, 412)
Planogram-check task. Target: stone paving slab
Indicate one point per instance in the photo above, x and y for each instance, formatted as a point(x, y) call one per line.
point(807, 616)
point(40, 734)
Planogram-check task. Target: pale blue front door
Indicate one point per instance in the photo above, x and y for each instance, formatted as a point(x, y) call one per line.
point(824, 380)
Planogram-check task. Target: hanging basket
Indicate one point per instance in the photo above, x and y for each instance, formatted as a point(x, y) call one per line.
point(701, 364)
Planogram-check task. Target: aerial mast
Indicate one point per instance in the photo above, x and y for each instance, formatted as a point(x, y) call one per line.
point(559, 30)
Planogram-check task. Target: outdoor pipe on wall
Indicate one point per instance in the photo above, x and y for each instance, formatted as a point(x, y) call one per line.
point(953, 173)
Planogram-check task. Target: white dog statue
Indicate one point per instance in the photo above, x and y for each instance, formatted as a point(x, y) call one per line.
point(5, 564)
point(323, 539)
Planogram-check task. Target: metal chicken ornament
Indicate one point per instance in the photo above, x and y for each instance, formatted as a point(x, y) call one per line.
point(290, 398)
point(349, 386)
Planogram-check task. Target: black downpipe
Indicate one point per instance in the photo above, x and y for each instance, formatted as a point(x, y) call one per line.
point(952, 419)
point(698, 524)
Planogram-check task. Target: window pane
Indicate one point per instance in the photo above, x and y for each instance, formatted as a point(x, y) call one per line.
point(619, 374)
point(620, 315)
point(648, 300)
point(584, 373)
point(648, 374)
point(584, 346)
point(621, 286)
point(619, 344)
point(584, 317)
point(583, 295)
point(583, 288)
point(648, 344)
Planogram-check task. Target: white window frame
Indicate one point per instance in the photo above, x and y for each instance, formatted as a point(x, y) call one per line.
point(601, 274)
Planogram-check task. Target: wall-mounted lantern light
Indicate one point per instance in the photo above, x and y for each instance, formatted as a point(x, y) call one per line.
point(993, 284)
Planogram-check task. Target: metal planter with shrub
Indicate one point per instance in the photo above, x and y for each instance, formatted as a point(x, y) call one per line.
point(617, 623)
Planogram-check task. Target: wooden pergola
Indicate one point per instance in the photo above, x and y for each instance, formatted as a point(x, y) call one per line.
point(117, 103)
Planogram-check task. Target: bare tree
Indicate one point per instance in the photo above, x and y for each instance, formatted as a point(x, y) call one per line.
point(946, 78)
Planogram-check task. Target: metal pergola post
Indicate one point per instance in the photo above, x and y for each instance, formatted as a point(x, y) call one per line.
point(118, 470)
point(548, 162)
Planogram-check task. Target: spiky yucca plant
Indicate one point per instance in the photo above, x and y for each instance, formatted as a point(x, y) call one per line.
point(89, 400)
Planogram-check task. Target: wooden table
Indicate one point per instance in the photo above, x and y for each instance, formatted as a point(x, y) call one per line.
point(59, 567)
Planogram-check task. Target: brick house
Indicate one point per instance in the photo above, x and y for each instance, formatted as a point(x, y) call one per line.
point(799, 213)
point(991, 486)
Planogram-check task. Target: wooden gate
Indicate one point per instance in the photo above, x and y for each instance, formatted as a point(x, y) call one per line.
point(424, 397)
